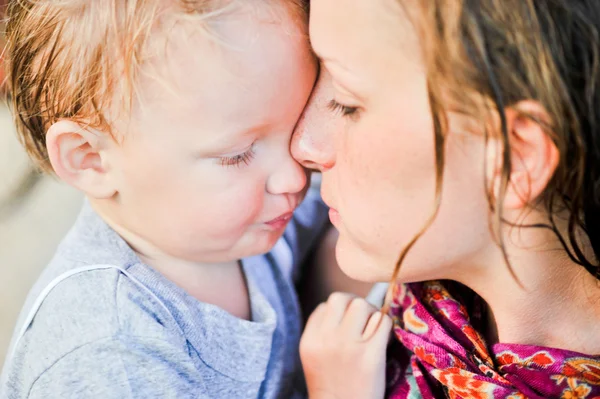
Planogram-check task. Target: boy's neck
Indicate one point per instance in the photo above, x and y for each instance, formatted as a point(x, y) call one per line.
point(222, 284)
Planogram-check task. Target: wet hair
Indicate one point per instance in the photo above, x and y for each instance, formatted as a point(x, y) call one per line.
point(502, 52)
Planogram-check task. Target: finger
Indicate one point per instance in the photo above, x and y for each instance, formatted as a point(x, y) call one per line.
point(335, 310)
point(356, 318)
point(378, 327)
point(382, 335)
point(312, 332)
point(315, 320)
point(372, 325)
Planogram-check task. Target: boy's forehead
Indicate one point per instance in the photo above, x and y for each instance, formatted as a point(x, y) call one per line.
point(241, 54)
point(238, 73)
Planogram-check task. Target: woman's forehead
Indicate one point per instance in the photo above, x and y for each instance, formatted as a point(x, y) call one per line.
point(355, 30)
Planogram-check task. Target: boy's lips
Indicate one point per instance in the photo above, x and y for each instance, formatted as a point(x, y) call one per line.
point(280, 221)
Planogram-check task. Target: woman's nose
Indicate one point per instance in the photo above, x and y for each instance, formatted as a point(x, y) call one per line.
point(313, 143)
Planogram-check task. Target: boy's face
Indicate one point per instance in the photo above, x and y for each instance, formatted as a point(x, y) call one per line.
point(205, 172)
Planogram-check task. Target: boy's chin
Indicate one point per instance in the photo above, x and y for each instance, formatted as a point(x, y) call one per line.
point(263, 243)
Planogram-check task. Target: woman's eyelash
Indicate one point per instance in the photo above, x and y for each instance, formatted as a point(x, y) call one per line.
point(345, 110)
point(238, 160)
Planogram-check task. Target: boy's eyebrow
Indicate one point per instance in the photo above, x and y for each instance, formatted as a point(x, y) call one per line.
point(214, 151)
point(233, 141)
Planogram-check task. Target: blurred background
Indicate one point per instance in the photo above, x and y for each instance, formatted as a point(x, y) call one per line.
point(35, 212)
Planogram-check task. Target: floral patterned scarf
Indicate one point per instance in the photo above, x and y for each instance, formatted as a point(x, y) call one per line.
point(448, 358)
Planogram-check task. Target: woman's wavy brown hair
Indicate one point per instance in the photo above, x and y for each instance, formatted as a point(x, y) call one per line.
point(505, 51)
point(80, 59)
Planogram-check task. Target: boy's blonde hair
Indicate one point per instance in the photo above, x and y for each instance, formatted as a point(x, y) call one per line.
point(74, 58)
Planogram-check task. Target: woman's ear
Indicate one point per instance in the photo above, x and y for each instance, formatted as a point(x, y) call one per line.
point(79, 157)
point(534, 156)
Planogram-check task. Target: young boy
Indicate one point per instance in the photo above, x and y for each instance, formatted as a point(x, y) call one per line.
point(174, 118)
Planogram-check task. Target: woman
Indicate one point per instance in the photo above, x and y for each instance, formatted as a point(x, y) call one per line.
point(469, 157)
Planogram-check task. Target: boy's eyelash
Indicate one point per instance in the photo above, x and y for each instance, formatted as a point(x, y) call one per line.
point(345, 110)
point(238, 160)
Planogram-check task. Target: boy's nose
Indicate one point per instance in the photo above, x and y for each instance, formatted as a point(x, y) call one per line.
point(290, 178)
point(313, 141)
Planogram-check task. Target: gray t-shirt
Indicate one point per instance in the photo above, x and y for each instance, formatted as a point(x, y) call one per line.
point(112, 327)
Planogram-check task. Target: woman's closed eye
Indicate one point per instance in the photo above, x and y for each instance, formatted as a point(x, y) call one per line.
point(344, 110)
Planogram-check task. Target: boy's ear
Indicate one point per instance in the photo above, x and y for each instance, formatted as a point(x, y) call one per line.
point(79, 157)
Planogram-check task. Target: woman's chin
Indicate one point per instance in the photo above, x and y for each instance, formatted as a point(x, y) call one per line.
point(359, 265)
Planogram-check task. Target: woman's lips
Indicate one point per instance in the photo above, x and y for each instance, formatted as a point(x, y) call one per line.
point(280, 222)
point(334, 216)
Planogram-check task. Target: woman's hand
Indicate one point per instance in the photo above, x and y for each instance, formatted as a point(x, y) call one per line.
point(343, 349)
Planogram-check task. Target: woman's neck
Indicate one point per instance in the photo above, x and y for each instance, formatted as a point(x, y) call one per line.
point(555, 303)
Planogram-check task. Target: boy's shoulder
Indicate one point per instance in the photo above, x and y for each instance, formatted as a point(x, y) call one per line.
point(91, 286)
point(89, 303)
point(108, 316)
point(85, 301)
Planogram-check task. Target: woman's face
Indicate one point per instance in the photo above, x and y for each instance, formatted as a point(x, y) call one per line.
point(378, 160)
